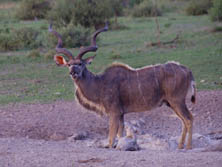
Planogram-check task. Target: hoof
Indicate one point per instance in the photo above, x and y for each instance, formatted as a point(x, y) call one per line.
point(180, 146)
point(188, 147)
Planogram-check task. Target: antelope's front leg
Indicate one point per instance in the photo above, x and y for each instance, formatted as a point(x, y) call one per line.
point(113, 128)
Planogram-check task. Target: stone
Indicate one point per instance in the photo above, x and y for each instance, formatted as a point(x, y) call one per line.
point(129, 142)
point(152, 143)
point(79, 136)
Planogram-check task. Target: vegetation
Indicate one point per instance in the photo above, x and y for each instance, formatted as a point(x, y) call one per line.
point(146, 9)
point(32, 9)
point(20, 38)
point(198, 7)
point(131, 3)
point(216, 11)
point(23, 38)
point(29, 74)
point(117, 8)
point(62, 13)
point(73, 36)
point(86, 13)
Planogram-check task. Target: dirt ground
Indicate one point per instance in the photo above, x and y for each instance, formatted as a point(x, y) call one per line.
point(38, 135)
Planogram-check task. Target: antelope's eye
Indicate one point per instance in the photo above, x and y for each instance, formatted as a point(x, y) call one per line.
point(80, 64)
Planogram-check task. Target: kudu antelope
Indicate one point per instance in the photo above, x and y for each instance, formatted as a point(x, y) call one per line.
point(121, 89)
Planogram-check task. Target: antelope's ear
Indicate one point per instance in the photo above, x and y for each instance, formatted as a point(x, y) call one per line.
point(60, 61)
point(89, 59)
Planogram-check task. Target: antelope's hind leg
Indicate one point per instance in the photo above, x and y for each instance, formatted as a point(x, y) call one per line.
point(189, 124)
point(184, 114)
point(121, 127)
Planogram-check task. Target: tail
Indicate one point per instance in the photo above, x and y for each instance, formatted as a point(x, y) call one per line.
point(193, 89)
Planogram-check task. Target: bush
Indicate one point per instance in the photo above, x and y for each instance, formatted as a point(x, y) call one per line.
point(27, 37)
point(117, 7)
point(216, 11)
point(132, 3)
point(92, 13)
point(30, 38)
point(23, 38)
point(62, 13)
point(73, 36)
point(197, 7)
point(8, 42)
point(31, 9)
point(146, 9)
point(84, 12)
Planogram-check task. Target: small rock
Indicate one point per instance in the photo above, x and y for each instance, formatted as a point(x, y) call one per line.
point(215, 146)
point(100, 143)
point(91, 143)
point(129, 142)
point(156, 144)
point(135, 123)
point(136, 126)
point(142, 121)
point(150, 142)
point(79, 136)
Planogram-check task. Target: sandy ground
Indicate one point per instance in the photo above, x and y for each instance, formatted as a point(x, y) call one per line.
point(38, 135)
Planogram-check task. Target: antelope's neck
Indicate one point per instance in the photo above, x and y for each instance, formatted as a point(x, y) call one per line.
point(88, 92)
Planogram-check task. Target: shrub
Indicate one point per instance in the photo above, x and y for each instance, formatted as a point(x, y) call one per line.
point(117, 7)
point(73, 36)
point(27, 37)
point(92, 13)
point(197, 7)
point(132, 3)
point(61, 13)
point(8, 42)
point(216, 11)
point(23, 38)
point(146, 9)
point(31, 9)
point(87, 13)
point(30, 38)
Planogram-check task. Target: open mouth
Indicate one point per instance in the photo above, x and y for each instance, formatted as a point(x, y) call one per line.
point(73, 75)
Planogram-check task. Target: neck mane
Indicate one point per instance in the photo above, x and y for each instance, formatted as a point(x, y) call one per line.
point(88, 92)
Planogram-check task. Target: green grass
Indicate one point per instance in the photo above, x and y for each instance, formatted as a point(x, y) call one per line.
point(39, 80)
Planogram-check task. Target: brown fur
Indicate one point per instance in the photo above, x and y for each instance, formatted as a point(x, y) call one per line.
point(122, 89)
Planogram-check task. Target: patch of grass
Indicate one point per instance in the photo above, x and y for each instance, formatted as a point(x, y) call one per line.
point(39, 80)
